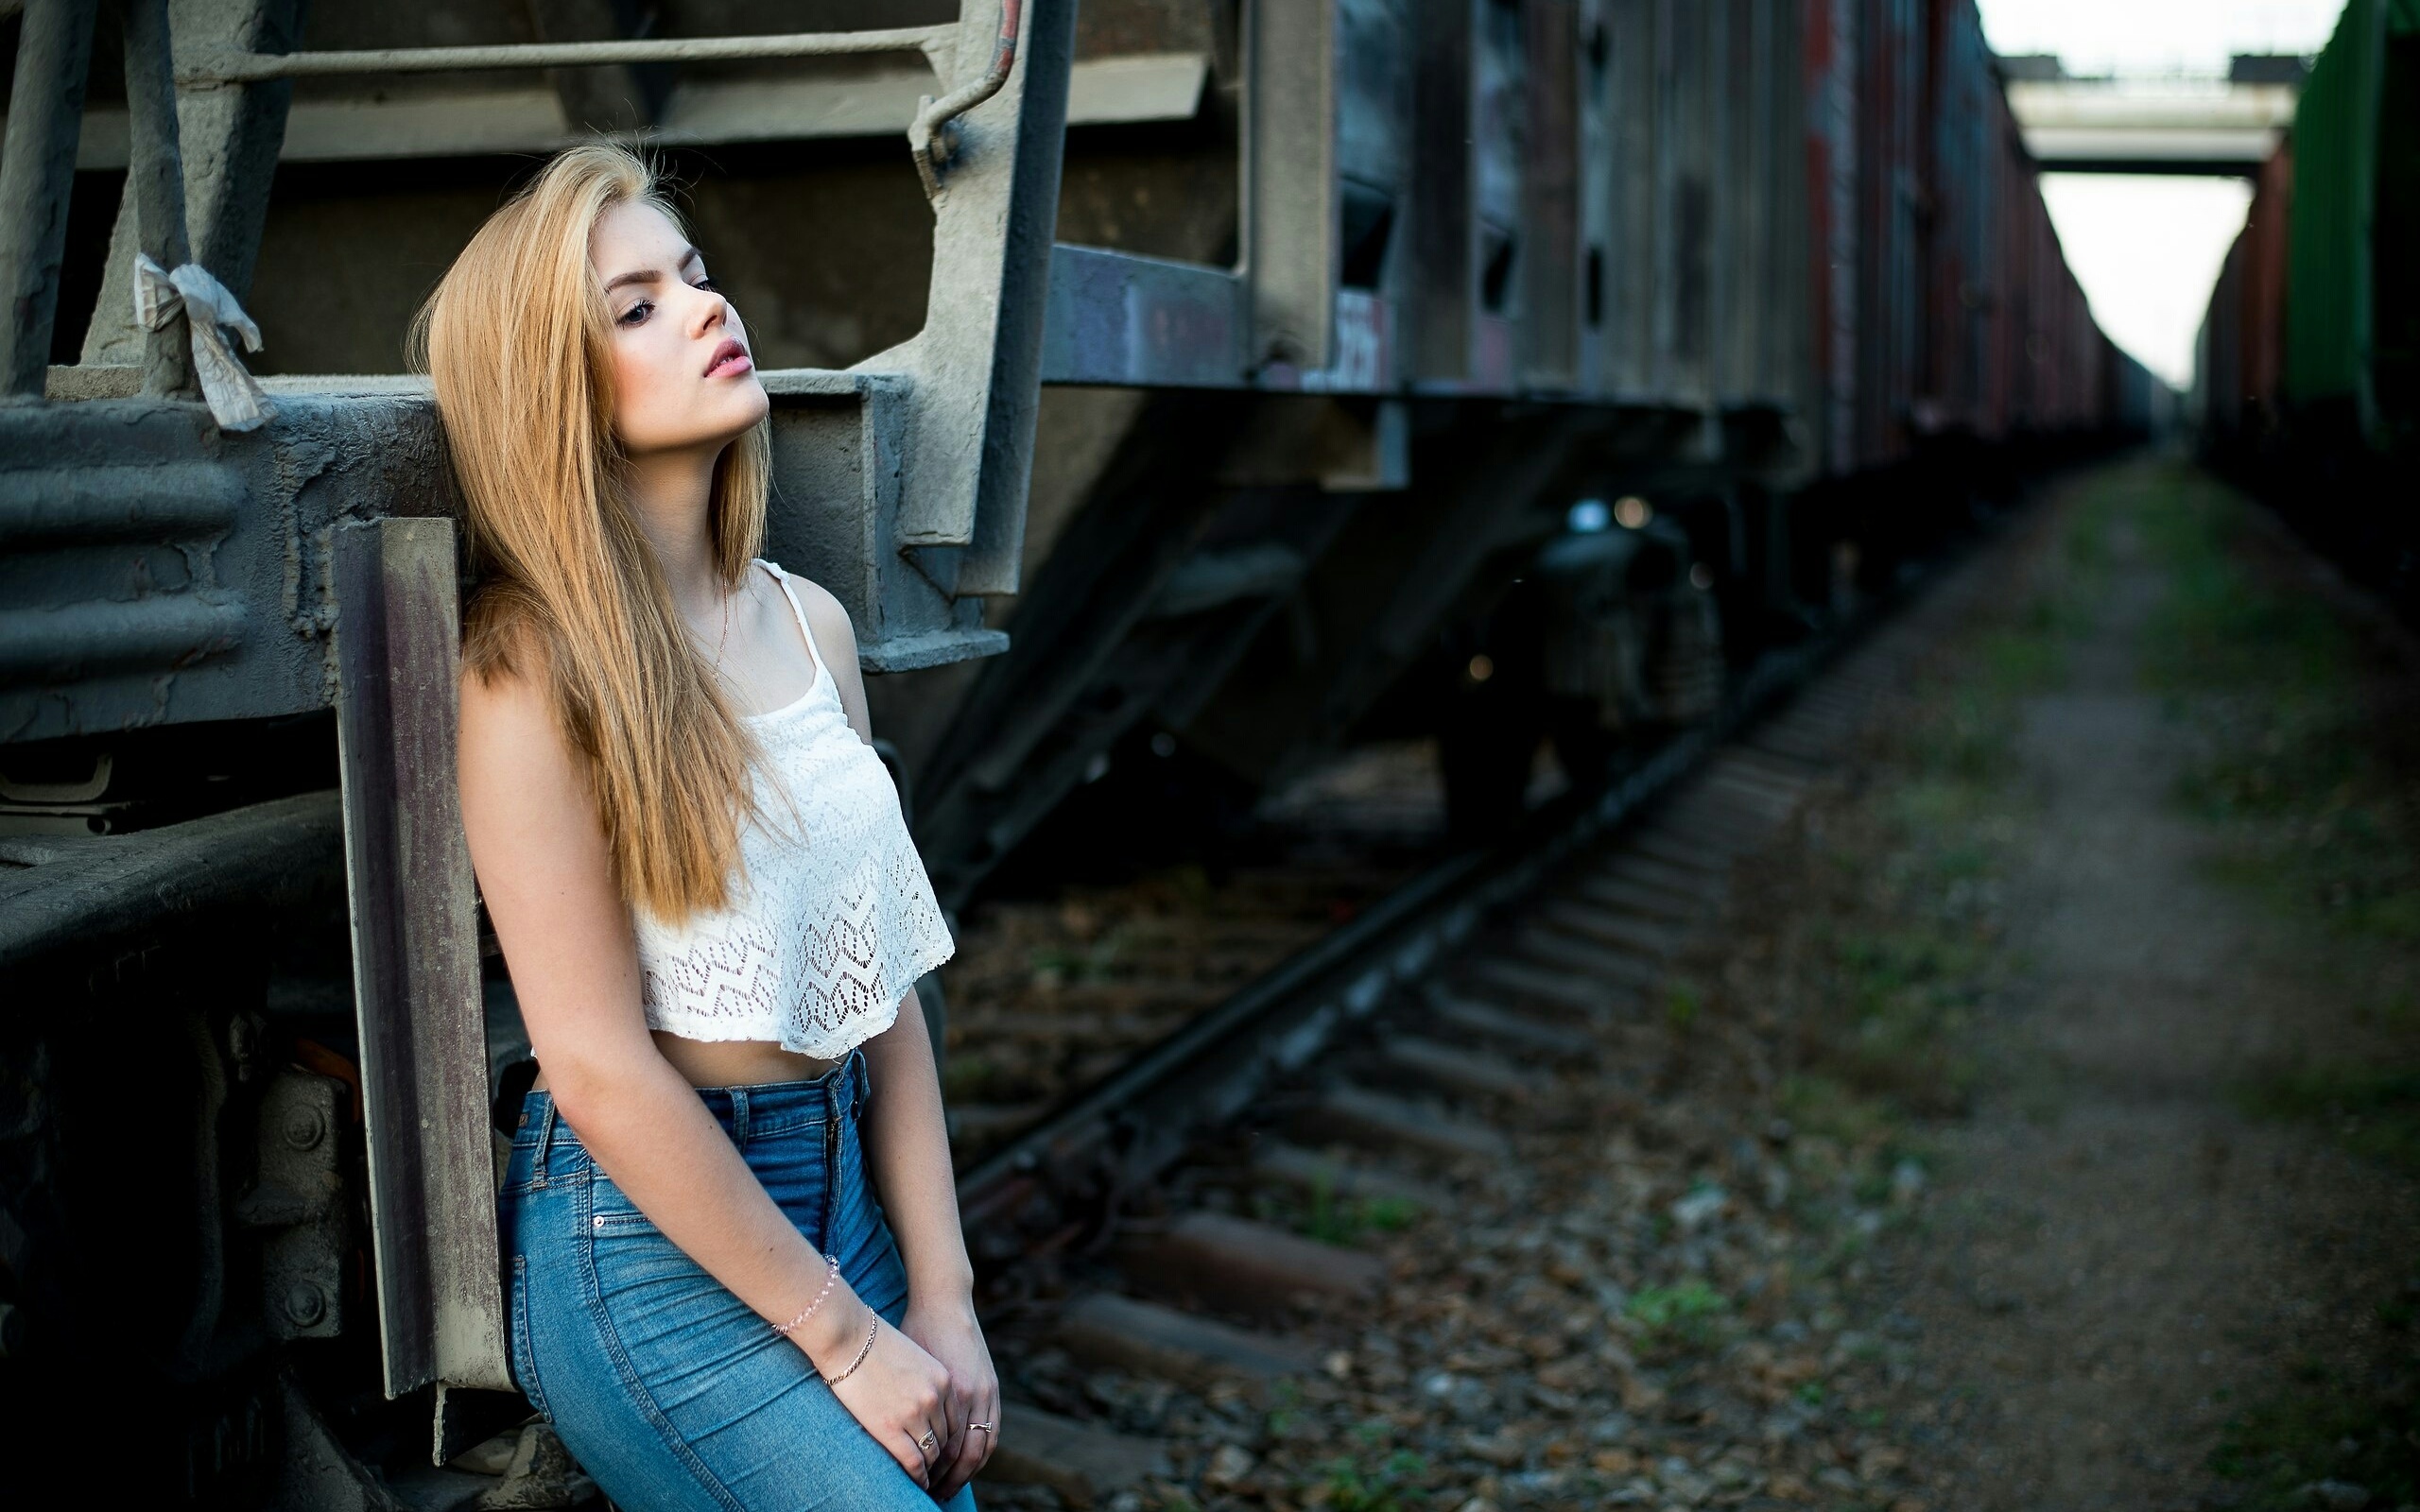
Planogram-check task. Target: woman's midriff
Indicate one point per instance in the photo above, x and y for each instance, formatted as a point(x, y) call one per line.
point(729, 1062)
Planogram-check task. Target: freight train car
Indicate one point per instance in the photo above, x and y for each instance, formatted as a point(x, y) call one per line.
point(2308, 374)
point(1228, 379)
point(1948, 328)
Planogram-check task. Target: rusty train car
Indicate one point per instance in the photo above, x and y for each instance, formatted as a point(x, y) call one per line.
point(1208, 380)
point(2307, 371)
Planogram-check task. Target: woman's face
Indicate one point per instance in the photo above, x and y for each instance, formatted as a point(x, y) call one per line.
point(682, 377)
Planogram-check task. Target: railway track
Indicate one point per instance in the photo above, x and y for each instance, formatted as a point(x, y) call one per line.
point(1168, 1225)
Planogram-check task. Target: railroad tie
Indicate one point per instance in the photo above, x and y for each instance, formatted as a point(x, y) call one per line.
point(1551, 947)
point(1084, 1463)
point(1655, 939)
point(982, 1123)
point(1251, 1267)
point(1459, 1070)
point(1356, 1115)
point(1596, 1001)
point(1280, 1162)
point(1700, 886)
point(1656, 842)
point(1720, 830)
point(1670, 906)
point(1150, 1339)
point(1755, 793)
point(1776, 773)
point(1485, 1024)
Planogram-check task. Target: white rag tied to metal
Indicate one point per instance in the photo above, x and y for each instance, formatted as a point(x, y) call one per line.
point(235, 400)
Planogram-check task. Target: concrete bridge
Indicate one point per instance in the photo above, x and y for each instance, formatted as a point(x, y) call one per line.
point(2179, 124)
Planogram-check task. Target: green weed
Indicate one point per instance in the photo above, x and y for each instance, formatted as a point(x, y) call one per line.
point(1343, 1222)
point(2374, 1113)
point(1374, 1485)
point(2325, 1427)
point(1061, 964)
point(1689, 1315)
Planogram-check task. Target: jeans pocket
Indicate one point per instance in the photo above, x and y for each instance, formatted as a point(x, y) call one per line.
point(524, 1360)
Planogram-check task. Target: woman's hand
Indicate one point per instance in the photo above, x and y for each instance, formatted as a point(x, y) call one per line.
point(950, 1335)
point(900, 1395)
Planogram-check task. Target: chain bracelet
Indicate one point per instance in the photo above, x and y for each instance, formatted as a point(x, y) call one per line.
point(873, 1325)
point(831, 1274)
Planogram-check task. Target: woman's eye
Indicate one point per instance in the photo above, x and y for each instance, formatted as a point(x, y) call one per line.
point(637, 314)
point(708, 284)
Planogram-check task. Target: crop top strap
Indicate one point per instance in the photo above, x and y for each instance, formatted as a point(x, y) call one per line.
point(814, 653)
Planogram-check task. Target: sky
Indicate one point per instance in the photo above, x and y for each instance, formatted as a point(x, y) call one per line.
point(2147, 251)
point(2157, 36)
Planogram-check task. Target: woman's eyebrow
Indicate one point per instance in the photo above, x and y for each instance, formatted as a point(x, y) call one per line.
point(650, 275)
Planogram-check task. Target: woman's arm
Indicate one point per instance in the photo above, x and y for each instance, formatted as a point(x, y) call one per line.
point(545, 871)
point(907, 1148)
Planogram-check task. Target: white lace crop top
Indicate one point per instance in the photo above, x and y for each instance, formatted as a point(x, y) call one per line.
point(834, 917)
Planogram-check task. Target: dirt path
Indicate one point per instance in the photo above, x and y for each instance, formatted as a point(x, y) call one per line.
point(2036, 1126)
point(2119, 1258)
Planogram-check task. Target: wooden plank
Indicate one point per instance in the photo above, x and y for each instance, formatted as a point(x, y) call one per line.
point(1152, 1340)
point(1274, 1162)
point(415, 957)
point(1463, 1069)
point(1485, 1024)
point(1254, 1266)
point(1381, 1122)
point(1082, 1462)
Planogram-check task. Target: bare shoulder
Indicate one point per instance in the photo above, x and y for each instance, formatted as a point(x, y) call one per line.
point(510, 734)
point(835, 641)
point(835, 635)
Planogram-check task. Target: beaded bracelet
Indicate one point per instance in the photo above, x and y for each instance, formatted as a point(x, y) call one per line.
point(873, 1325)
point(831, 1274)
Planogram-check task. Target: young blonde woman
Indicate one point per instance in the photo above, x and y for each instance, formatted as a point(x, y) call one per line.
point(708, 902)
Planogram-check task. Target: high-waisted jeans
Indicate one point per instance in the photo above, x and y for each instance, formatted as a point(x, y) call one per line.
point(669, 1389)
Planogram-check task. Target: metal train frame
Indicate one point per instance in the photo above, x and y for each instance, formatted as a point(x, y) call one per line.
point(1208, 368)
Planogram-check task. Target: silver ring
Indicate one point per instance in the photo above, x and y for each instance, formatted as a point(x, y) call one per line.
point(979, 1428)
point(928, 1443)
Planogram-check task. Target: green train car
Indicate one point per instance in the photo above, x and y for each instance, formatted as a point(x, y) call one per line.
point(2309, 380)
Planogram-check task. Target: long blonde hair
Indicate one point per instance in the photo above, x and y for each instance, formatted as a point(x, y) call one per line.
point(518, 340)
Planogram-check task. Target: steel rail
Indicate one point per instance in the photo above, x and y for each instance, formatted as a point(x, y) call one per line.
point(1145, 1114)
point(216, 68)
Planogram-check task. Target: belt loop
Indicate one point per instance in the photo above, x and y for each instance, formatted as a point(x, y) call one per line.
point(739, 1116)
point(545, 1144)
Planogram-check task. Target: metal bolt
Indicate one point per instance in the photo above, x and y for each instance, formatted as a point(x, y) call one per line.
point(304, 1127)
point(305, 1304)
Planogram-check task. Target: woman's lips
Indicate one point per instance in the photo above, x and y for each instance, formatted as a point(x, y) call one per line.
point(731, 359)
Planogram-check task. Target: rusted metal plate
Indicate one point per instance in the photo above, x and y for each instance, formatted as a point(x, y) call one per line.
point(155, 569)
point(1118, 318)
point(415, 952)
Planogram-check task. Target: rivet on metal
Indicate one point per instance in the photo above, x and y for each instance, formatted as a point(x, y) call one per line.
point(304, 1127)
point(305, 1303)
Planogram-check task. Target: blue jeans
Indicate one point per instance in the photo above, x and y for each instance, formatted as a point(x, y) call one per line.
point(669, 1389)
